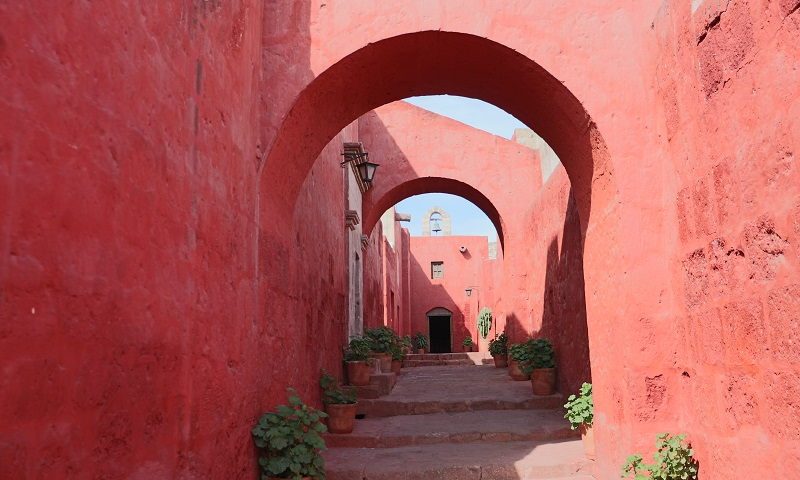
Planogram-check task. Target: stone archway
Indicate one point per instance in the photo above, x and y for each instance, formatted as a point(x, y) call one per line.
point(435, 62)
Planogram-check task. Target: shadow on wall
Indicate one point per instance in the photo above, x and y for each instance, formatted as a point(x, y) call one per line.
point(563, 312)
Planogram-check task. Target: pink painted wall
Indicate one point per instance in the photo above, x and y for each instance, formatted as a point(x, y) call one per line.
point(153, 224)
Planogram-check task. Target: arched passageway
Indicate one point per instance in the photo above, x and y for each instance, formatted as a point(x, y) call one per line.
point(427, 63)
point(431, 63)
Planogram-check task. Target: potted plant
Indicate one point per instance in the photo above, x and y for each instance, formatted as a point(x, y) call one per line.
point(420, 342)
point(580, 413)
point(397, 358)
point(519, 356)
point(340, 405)
point(467, 344)
point(542, 367)
point(381, 341)
point(407, 344)
point(673, 460)
point(290, 441)
point(498, 348)
point(356, 358)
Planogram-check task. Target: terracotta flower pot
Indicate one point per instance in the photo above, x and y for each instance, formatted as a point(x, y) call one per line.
point(420, 351)
point(467, 348)
point(515, 372)
point(385, 360)
point(396, 366)
point(358, 373)
point(341, 417)
point(587, 436)
point(500, 361)
point(543, 381)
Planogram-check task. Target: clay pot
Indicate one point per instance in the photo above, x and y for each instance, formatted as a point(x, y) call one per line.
point(385, 360)
point(515, 372)
point(543, 381)
point(587, 436)
point(341, 417)
point(467, 348)
point(396, 366)
point(420, 351)
point(358, 373)
point(500, 361)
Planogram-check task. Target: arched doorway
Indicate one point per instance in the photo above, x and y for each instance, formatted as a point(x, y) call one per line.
point(440, 330)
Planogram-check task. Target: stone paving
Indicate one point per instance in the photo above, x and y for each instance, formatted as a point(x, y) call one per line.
point(459, 422)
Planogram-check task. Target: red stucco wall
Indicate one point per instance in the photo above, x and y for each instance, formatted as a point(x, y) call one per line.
point(152, 186)
point(460, 271)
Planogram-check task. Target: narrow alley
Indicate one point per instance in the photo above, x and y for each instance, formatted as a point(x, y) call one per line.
point(459, 422)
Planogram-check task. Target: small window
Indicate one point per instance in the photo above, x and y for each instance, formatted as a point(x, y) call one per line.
point(437, 269)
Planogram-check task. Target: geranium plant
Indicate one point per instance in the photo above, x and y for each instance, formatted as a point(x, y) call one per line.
point(358, 350)
point(381, 339)
point(499, 345)
point(332, 393)
point(673, 460)
point(580, 408)
point(290, 441)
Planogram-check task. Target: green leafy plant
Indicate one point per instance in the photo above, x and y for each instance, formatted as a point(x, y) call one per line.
point(673, 460)
point(467, 342)
point(290, 441)
point(420, 341)
point(484, 322)
point(580, 408)
point(358, 350)
point(332, 393)
point(406, 342)
point(521, 353)
point(397, 352)
point(543, 354)
point(499, 345)
point(381, 339)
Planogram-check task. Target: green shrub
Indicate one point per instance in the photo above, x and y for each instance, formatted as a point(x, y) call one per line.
point(381, 339)
point(484, 322)
point(406, 342)
point(467, 342)
point(580, 408)
point(673, 460)
point(397, 352)
point(358, 350)
point(332, 393)
point(521, 353)
point(533, 354)
point(420, 341)
point(499, 345)
point(543, 354)
point(290, 441)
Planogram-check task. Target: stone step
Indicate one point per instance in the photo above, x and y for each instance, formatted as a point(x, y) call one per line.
point(380, 384)
point(388, 407)
point(433, 363)
point(462, 427)
point(461, 461)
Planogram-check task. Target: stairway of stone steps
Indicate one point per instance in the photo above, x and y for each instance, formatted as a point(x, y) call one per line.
point(455, 422)
point(446, 359)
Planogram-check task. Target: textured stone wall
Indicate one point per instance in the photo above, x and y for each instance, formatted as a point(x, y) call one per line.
point(129, 337)
point(156, 164)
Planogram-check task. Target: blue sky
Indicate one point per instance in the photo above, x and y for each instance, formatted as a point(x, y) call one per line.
point(467, 218)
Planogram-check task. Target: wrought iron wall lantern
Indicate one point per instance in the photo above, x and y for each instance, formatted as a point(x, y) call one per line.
point(365, 168)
